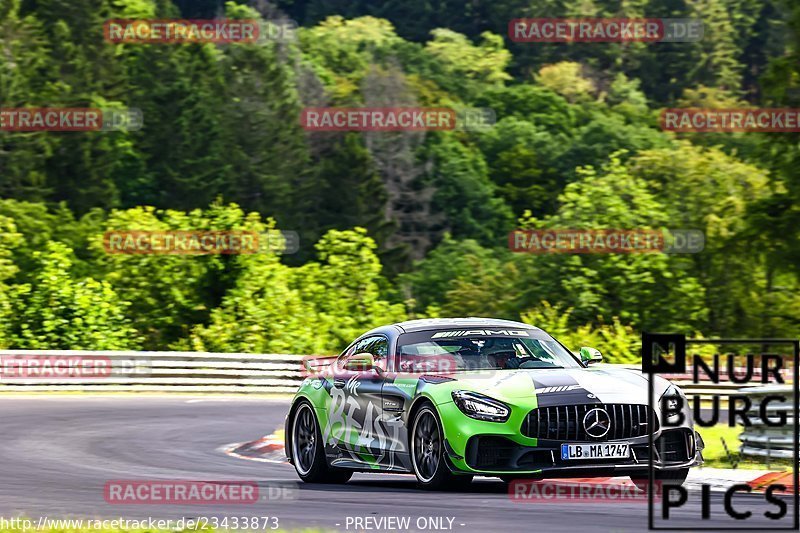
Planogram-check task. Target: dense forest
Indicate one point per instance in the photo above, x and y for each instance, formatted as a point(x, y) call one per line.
point(401, 224)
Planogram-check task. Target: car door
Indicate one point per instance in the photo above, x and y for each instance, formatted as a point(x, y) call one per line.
point(355, 409)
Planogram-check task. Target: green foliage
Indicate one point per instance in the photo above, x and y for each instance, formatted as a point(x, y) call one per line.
point(10, 240)
point(623, 285)
point(523, 159)
point(618, 342)
point(484, 63)
point(58, 311)
point(464, 192)
point(450, 264)
point(576, 145)
point(538, 105)
point(709, 190)
point(342, 50)
point(565, 79)
point(345, 285)
point(38, 225)
point(626, 92)
point(170, 293)
point(314, 309)
point(262, 313)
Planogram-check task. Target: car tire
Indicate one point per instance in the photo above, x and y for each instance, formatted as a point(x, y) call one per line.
point(665, 477)
point(308, 453)
point(428, 455)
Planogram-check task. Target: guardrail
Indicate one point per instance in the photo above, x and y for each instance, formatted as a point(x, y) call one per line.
point(199, 372)
point(27, 371)
point(761, 440)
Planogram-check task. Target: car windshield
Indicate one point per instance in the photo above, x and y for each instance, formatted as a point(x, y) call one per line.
point(459, 350)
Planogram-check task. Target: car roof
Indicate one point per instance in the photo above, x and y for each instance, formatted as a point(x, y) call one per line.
point(469, 322)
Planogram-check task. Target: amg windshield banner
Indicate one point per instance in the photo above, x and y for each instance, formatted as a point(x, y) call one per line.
point(742, 401)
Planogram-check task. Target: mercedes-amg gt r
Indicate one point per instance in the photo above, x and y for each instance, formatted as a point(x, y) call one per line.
point(449, 399)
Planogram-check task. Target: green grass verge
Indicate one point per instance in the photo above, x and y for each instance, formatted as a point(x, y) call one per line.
point(716, 456)
point(714, 453)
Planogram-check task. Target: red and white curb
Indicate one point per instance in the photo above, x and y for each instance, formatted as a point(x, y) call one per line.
point(270, 449)
point(773, 478)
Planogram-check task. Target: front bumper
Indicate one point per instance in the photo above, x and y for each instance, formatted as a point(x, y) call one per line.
point(491, 448)
point(673, 449)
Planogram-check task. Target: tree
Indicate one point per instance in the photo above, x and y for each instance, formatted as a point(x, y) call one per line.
point(57, 311)
point(425, 288)
point(169, 294)
point(566, 79)
point(342, 51)
point(264, 143)
point(618, 342)
point(464, 193)
point(10, 239)
point(525, 164)
point(708, 190)
point(345, 286)
point(23, 57)
point(485, 63)
point(614, 285)
point(314, 309)
point(262, 313)
point(718, 64)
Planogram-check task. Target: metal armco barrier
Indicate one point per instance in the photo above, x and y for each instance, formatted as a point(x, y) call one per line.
point(201, 372)
point(155, 372)
point(761, 440)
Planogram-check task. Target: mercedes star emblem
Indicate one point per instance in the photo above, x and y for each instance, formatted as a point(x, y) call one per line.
point(597, 423)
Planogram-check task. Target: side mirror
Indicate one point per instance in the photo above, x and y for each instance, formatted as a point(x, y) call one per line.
point(590, 355)
point(360, 362)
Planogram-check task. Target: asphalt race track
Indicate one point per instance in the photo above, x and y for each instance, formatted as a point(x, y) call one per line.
point(58, 452)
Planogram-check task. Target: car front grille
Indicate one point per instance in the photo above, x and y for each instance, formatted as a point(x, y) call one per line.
point(565, 422)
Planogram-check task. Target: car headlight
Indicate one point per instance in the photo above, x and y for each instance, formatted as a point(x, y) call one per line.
point(670, 400)
point(480, 407)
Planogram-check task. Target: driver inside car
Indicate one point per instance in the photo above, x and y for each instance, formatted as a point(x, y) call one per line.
point(500, 354)
point(470, 357)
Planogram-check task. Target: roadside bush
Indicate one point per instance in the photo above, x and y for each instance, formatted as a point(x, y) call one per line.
point(618, 342)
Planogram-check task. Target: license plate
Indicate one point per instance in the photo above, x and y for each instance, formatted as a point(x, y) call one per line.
point(570, 452)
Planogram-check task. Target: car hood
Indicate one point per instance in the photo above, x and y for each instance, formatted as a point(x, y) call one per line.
point(561, 386)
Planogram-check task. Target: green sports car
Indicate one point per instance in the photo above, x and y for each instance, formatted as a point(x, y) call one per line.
point(449, 399)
